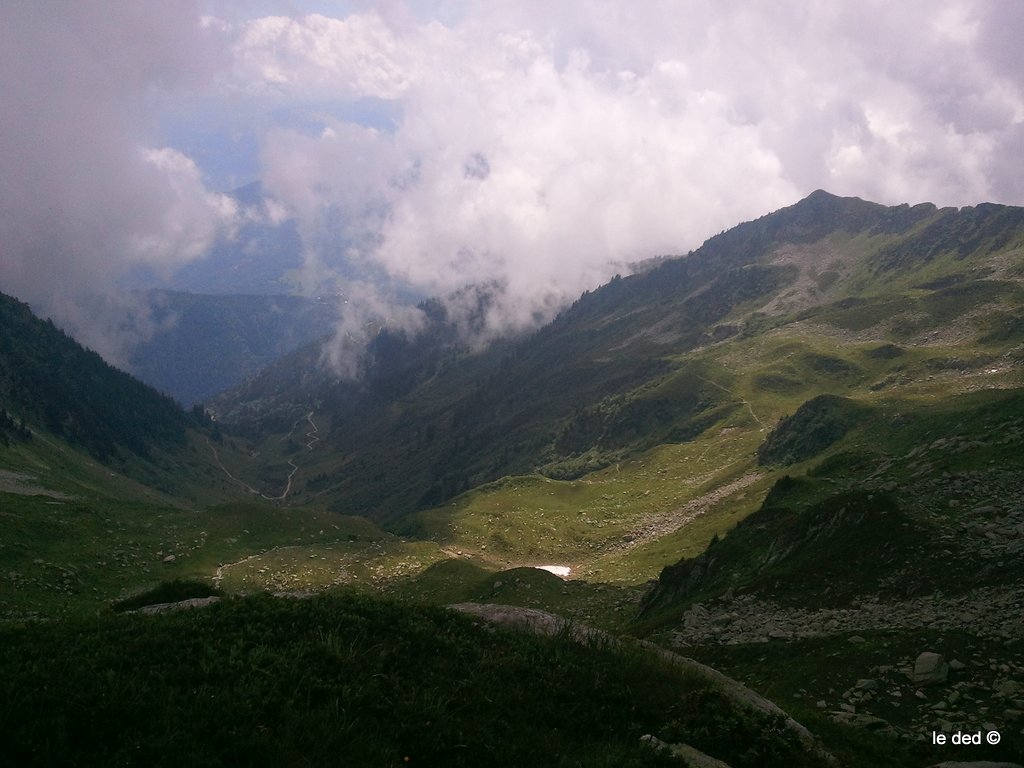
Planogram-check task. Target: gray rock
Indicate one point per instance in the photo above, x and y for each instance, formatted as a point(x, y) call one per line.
point(1006, 689)
point(170, 559)
point(868, 721)
point(930, 668)
point(195, 602)
point(693, 757)
point(695, 617)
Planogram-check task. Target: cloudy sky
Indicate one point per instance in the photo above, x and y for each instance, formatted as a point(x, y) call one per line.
point(532, 145)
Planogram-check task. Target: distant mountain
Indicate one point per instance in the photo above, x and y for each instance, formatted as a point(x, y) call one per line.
point(210, 343)
point(265, 256)
point(261, 258)
point(663, 356)
point(47, 378)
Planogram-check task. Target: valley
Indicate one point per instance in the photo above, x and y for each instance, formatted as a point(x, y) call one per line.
point(795, 454)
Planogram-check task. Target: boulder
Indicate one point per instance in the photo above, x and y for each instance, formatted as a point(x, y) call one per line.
point(929, 669)
point(692, 757)
point(194, 602)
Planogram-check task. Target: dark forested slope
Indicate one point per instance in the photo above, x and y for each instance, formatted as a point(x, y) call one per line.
point(48, 379)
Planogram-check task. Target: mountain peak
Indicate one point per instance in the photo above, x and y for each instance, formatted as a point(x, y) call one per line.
point(821, 194)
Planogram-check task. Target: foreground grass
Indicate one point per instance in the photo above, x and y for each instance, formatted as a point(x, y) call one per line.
point(347, 680)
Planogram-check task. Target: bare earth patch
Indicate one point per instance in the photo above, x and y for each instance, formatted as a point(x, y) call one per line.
point(27, 485)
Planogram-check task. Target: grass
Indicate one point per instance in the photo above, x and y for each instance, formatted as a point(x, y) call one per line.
point(605, 606)
point(347, 680)
point(60, 557)
point(367, 565)
point(592, 523)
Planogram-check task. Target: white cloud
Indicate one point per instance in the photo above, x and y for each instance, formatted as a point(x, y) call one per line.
point(81, 199)
point(191, 217)
point(535, 146)
point(541, 145)
point(316, 56)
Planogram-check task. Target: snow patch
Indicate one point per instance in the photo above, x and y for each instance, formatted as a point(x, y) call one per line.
point(558, 570)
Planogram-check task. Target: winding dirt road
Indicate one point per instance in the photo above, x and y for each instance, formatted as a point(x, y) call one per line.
point(313, 438)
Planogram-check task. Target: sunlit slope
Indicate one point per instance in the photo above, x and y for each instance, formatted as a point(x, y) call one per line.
point(629, 520)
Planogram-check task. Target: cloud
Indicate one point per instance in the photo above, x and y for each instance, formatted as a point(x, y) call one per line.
point(536, 178)
point(535, 148)
point(542, 145)
point(320, 56)
point(362, 314)
point(85, 194)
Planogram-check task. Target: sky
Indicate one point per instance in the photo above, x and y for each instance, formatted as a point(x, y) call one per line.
point(536, 148)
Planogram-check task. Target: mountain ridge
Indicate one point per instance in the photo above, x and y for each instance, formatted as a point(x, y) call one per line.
point(621, 338)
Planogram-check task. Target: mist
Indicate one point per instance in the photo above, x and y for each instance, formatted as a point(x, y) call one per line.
point(87, 191)
point(534, 148)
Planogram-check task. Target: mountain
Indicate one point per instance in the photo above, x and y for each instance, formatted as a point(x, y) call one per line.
point(49, 379)
point(266, 255)
point(828, 295)
point(72, 427)
point(808, 434)
point(795, 454)
point(261, 258)
point(209, 343)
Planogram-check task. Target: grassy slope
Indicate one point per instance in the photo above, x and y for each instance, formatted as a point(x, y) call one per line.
point(77, 534)
point(891, 341)
point(911, 345)
point(348, 681)
point(850, 349)
point(878, 337)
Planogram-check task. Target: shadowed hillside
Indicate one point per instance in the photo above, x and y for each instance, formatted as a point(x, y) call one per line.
point(46, 377)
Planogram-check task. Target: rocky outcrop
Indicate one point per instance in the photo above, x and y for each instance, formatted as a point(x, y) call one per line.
point(991, 613)
point(982, 689)
point(775, 542)
point(181, 605)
